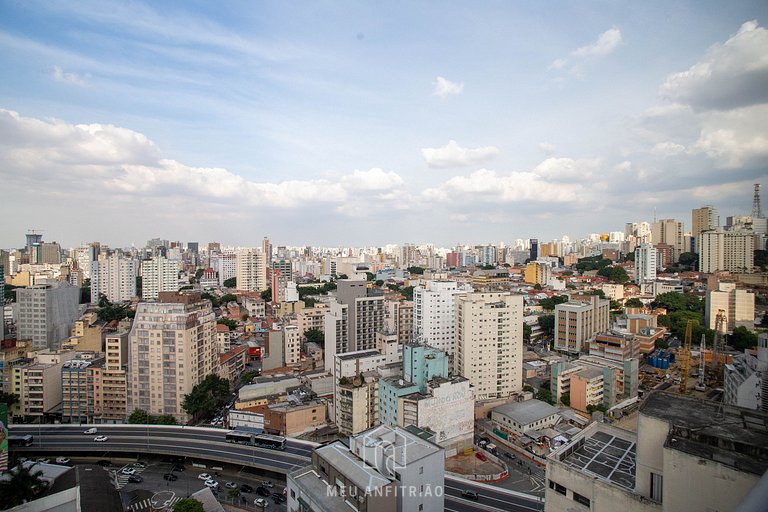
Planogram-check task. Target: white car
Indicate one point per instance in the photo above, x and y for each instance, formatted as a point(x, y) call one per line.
point(204, 476)
point(62, 460)
point(211, 483)
point(90, 431)
point(261, 502)
point(128, 471)
point(100, 439)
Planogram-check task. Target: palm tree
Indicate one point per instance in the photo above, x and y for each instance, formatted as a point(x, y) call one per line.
point(23, 486)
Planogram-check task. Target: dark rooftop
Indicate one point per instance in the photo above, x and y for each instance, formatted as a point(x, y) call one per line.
point(604, 455)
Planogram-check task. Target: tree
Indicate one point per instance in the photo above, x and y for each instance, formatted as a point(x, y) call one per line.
point(415, 270)
point(188, 505)
point(545, 396)
point(231, 282)
point(537, 286)
point(547, 324)
point(592, 263)
point(139, 285)
point(634, 302)
point(315, 336)
point(742, 338)
point(227, 298)
point(309, 302)
point(689, 259)
point(8, 398)
point(267, 295)
point(232, 324)
point(199, 273)
point(206, 397)
point(616, 274)
point(527, 330)
point(247, 377)
point(596, 291)
point(379, 283)
point(85, 292)
point(370, 276)
point(139, 417)
point(165, 419)
point(23, 485)
point(674, 301)
point(761, 259)
point(407, 292)
point(565, 399)
point(549, 304)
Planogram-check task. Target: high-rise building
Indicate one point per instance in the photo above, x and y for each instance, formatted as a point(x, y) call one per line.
point(81, 390)
point(534, 252)
point(737, 305)
point(113, 277)
point(366, 312)
point(578, 321)
point(645, 264)
point(158, 275)
point(114, 391)
point(537, 273)
point(489, 342)
point(670, 232)
point(746, 378)
point(266, 248)
point(171, 348)
point(251, 270)
point(50, 253)
point(434, 314)
point(47, 313)
point(732, 251)
point(703, 219)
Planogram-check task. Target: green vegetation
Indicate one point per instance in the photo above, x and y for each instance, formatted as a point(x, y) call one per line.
point(10, 294)
point(315, 336)
point(108, 311)
point(527, 331)
point(634, 302)
point(550, 303)
point(267, 295)
point(545, 396)
point(232, 324)
point(565, 399)
point(188, 505)
point(23, 484)
point(592, 263)
point(247, 377)
point(761, 259)
point(689, 259)
point(8, 398)
point(547, 324)
point(742, 338)
point(187, 287)
point(139, 285)
point(231, 282)
point(379, 283)
point(141, 417)
point(85, 292)
point(370, 276)
point(415, 270)
point(614, 274)
point(600, 407)
point(206, 397)
point(527, 387)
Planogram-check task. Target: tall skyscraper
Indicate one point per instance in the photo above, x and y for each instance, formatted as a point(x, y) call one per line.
point(251, 270)
point(489, 342)
point(158, 275)
point(645, 264)
point(266, 248)
point(733, 251)
point(669, 232)
point(114, 277)
point(534, 249)
point(703, 219)
point(47, 313)
point(434, 314)
point(171, 348)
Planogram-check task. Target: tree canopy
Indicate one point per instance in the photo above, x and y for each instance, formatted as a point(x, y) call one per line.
point(674, 301)
point(634, 302)
point(206, 397)
point(616, 274)
point(108, 311)
point(231, 282)
point(232, 324)
point(267, 294)
point(550, 303)
point(8, 398)
point(315, 336)
point(188, 505)
point(23, 485)
point(742, 338)
point(547, 324)
point(415, 270)
point(527, 331)
point(592, 263)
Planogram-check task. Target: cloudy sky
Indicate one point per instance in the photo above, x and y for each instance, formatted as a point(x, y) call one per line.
point(355, 123)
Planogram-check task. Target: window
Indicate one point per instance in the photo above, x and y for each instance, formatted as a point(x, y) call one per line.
point(578, 498)
point(657, 484)
point(557, 487)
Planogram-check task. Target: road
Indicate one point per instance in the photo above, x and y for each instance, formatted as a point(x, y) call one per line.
point(203, 443)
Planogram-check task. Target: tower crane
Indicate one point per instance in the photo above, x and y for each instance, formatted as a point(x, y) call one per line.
point(700, 385)
point(685, 358)
point(717, 346)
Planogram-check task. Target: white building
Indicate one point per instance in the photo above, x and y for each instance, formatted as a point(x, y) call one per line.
point(489, 342)
point(732, 251)
point(434, 314)
point(746, 378)
point(158, 275)
point(291, 345)
point(47, 313)
point(520, 417)
point(114, 277)
point(251, 270)
point(737, 305)
point(645, 264)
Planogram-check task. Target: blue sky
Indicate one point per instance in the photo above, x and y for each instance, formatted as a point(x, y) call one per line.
point(353, 123)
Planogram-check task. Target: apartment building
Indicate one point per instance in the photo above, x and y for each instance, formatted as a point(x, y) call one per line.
point(292, 345)
point(732, 251)
point(615, 346)
point(746, 378)
point(578, 321)
point(251, 270)
point(645, 264)
point(82, 390)
point(158, 275)
point(703, 219)
point(669, 232)
point(434, 314)
point(114, 382)
point(537, 273)
point(114, 277)
point(399, 319)
point(47, 313)
point(255, 306)
point(292, 418)
point(311, 318)
point(172, 347)
point(356, 403)
point(489, 342)
point(593, 381)
point(737, 305)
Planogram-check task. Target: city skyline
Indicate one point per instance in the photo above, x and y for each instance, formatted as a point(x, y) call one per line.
point(360, 126)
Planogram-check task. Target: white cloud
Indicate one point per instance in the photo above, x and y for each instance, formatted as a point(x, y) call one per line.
point(558, 64)
point(453, 155)
point(69, 77)
point(547, 148)
point(735, 138)
point(730, 75)
point(667, 148)
point(567, 169)
point(605, 44)
point(445, 88)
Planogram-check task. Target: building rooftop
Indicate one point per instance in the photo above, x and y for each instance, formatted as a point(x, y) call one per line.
point(527, 412)
point(730, 435)
point(358, 354)
point(362, 475)
point(589, 373)
point(606, 452)
point(401, 446)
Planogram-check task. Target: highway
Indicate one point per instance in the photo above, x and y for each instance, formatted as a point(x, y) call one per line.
point(209, 444)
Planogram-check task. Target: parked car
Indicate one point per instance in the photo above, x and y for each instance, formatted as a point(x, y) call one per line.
point(246, 488)
point(170, 477)
point(135, 479)
point(481, 456)
point(262, 491)
point(213, 484)
point(62, 460)
point(128, 471)
point(90, 431)
point(278, 497)
point(470, 495)
point(43, 460)
point(230, 485)
point(140, 464)
point(261, 502)
point(267, 483)
point(204, 476)
point(100, 439)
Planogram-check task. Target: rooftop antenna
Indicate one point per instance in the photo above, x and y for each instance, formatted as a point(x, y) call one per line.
point(756, 212)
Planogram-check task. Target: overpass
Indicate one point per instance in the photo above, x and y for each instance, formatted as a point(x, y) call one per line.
point(209, 444)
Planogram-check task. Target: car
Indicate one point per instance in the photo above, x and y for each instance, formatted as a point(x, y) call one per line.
point(128, 471)
point(90, 431)
point(43, 460)
point(176, 467)
point(100, 439)
point(204, 476)
point(211, 483)
point(278, 497)
point(135, 479)
point(481, 456)
point(104, 463)
point(230, 485)
point(246, 488)
point(170, 477)
point(140, 464)
point(470, 495)
point(261, 502)
point(62, 460)
point(267, 483)
point(262, 491)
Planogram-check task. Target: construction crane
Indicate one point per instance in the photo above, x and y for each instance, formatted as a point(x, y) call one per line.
point(685, 358)
point(700, 385)
point(717, 346)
